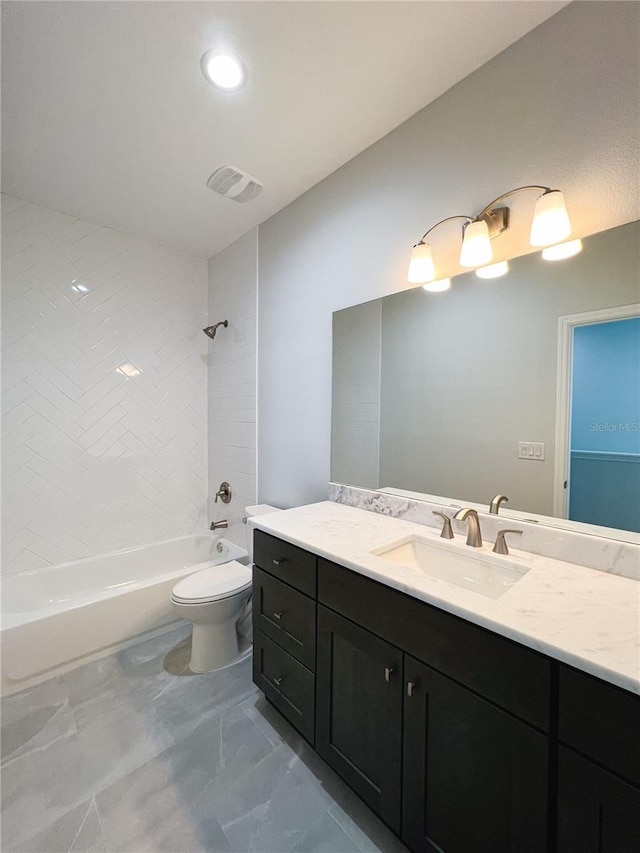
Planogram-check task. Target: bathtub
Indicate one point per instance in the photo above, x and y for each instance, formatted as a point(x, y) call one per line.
point(59, 617)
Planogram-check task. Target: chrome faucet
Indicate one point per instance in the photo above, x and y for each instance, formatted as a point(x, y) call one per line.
point(495, 503)
point(215, 525)
point(474, 537)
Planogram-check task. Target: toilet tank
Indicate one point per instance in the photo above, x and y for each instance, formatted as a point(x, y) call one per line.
point(250, 512)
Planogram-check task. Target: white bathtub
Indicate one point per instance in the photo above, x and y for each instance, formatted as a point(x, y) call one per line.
point(59, 617)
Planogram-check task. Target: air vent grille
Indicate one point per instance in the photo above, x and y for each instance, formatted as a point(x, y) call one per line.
point(235, 184)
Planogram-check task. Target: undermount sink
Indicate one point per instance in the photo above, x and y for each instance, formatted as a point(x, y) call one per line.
point(485, 573)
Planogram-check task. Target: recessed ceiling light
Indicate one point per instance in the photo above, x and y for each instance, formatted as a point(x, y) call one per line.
point(223, 70)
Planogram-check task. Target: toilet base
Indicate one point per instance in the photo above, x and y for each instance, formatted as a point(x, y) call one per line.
point(215, 646)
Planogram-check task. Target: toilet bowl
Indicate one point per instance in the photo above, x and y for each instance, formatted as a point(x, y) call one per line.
point(215, 600)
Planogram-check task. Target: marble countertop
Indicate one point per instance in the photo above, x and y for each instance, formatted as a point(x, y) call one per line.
point(580, 616)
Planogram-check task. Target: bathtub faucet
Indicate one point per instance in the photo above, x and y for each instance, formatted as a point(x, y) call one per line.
point(217, 524)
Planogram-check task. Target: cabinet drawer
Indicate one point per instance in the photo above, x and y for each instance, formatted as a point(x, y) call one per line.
point(286, 616)
point(289, 685)
point(601, 721)
point(287, 562)
point(513, 677)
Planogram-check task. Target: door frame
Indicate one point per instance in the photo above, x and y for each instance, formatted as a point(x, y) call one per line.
point(566, 324)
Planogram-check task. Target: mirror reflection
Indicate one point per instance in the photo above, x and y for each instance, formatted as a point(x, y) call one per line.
point(527, 384)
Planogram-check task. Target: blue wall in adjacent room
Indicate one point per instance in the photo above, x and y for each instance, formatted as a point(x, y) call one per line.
point(606, 387)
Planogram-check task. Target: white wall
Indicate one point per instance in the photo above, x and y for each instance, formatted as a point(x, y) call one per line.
point(232, 382)
point(95, 460)
point(559, 107)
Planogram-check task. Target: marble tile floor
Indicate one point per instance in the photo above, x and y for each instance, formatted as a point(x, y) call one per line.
point(135, 753)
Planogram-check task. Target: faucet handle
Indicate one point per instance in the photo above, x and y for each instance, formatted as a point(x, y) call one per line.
point(495, 503)
point(501, 544)
point(447, 532)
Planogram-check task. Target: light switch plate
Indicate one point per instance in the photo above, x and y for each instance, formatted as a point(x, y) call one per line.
point(531, 450)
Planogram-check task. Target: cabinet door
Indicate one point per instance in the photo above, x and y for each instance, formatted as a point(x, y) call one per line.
point(359, 712)
point(597, 812)
point(474, 777)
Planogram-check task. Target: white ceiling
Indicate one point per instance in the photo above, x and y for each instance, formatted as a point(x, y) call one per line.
point(106, 115)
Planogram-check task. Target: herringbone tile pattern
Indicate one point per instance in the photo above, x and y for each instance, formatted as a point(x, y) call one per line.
point(103, 389)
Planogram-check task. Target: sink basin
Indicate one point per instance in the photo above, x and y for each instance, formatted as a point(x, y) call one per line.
point(485, 573)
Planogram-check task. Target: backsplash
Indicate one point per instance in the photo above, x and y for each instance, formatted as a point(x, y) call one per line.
point(594, 552)
point(104, 389)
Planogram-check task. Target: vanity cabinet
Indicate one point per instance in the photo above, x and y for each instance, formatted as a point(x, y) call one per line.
point(359, 712)
point(475, 778)
point(461, 740)
point(284, 629)
point(598, 766)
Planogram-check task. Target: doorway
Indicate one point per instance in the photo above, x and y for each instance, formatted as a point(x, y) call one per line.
point(598, 464)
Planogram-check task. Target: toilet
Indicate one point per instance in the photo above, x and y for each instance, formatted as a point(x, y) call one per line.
point(216, 600)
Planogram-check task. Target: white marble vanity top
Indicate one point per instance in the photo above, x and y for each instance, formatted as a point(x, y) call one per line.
point(583, 617)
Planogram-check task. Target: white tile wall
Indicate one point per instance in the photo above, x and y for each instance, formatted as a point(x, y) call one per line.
point(103, 389)
point(232, 381)
point(355, 416)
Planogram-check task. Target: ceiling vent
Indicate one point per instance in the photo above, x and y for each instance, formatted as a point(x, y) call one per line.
point(234, 184)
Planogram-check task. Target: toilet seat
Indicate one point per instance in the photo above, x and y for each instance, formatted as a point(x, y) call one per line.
point(213, 584)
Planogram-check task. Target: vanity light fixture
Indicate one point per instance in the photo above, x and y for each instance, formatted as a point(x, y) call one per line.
point(562, 251)
point(476, 245)
point(550, 225)
point(437, 286)
point(493, 270)
point(223, 70)
point(421, 267)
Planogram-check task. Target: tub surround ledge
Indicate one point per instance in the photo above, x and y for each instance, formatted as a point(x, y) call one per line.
point(587, 619)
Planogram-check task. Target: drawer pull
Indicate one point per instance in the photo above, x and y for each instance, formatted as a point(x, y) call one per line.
point(278, 562)
point(410, 688)
point(277, 681)
point(278, 616)
point(387, 673)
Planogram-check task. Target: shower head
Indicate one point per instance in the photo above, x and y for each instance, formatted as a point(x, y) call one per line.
point(210, 331)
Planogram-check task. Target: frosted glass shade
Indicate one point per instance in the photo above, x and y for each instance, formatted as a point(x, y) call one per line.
point(562, 251)
point(421, 266)
point(550, 220)
point(476, 245)
point(494, 270)
point(437, 286)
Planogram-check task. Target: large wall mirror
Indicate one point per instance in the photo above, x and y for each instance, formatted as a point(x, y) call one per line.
point(527, 385)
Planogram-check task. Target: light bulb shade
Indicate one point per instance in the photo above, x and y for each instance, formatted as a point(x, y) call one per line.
point(550, 220)
point(437, 286)
point(476, 245)
point(562, 251)
point(421, 268)
point(494, 270)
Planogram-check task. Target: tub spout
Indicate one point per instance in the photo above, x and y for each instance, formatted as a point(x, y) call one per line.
point(215, 525)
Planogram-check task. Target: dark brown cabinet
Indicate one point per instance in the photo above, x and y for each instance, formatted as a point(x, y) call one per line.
point(359, 712)
point(597, 811)
point(475, 778)
point(461, 740)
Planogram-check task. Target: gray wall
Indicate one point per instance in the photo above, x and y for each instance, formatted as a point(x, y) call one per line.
point(559, 107)
point(355, 420)
point(468, 374)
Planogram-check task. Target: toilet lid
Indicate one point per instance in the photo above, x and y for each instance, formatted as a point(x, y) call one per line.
point(213, 583)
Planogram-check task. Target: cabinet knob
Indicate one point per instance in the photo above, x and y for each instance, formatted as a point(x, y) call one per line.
point(387, 673)
point(410, 688)
point(278, 616)
point(277, 562)
point(277, 681)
